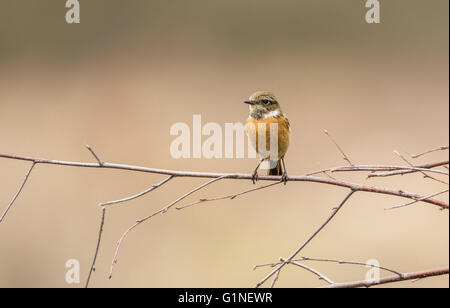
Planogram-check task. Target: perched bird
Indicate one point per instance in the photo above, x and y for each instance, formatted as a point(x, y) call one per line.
point(265, 112)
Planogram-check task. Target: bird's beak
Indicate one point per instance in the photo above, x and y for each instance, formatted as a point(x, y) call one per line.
point(250, 102)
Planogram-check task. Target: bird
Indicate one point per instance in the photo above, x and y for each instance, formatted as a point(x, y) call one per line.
point(264, 112)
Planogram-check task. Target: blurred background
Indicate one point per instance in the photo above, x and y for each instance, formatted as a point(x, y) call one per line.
point(118, 81)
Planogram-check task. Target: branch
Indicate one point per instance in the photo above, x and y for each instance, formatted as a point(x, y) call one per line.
point(387, 168)
point(402, 172)
point(424, 174)
point(296, 252)
point(153, 187)
point(163, 210)
point(240, 176)
point(390, 279)
point(231, 197)
point(418, 200)
point(100, 162)
point(332, 261)
point(352, 263)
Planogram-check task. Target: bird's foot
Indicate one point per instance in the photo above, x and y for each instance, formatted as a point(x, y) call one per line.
point(254, 176)
point(284, 178)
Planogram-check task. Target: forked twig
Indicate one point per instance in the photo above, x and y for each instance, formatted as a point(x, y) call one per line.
point(309, 239)
point(162, 210)
point(100, 162)
point(240, 176)
point(309, 269)
point(418, 200)
point(424, 174)
point(231, 197)
point(402, 172)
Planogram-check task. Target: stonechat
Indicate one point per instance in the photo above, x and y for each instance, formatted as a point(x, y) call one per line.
point(265, 113)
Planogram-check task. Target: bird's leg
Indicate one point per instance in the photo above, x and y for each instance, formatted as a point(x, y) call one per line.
point(284, 177)
point(255, 172)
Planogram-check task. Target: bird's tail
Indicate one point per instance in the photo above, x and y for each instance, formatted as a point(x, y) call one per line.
point(276, 170)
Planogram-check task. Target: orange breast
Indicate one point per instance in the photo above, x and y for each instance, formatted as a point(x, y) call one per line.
point(253, 131)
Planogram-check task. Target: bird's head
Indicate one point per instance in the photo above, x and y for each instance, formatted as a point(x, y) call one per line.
point(263, 104)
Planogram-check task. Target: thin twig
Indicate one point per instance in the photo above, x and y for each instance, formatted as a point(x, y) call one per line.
point(232, 196)
point(275, 279)
point(378, 168)
point(18, 192)
point(309, 239)
point(162, 210)
point(338, 147)
point(424, 174)
point(100, 162)
point(153, 187)
point(332, 261)
point(351, 263)
point(310, 269)
point(390, 279)
point(402, 172)
point(418, 200)
point(442, 148)
point(92, 269)
point(387, 168)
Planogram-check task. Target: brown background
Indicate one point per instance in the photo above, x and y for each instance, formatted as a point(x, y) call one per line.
point(122, 77)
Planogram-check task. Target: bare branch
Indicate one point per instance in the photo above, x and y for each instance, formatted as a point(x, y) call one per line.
point(338, 147)
point(387, 168)
point(315, 272)
point(351, 263)
point(92, 269)
point(296, 252)
point(390, 279)
point(153, 187)
point(232, 196)
point(378, 168)
point(424, 174)
point(18, 192)
point(402, 172)
point(163, 210)
point(275, 279)
point(274, 274)
point(240, 176)
point(418, 200)
point(442, 148)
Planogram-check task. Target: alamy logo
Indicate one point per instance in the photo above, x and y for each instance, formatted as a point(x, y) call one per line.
point(73, 14)
point(73, 272)
point(373, 14)
point(189, 143)
point(373, 274)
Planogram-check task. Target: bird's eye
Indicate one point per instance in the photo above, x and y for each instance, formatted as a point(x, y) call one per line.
point(266, 102)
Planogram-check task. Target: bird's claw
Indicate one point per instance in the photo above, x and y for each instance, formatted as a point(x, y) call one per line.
point(254, 177)
point(284, 178)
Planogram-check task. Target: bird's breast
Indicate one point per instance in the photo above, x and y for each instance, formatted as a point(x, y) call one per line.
point(260, 128)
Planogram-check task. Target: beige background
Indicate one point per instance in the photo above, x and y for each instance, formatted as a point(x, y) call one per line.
point(122, 77)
